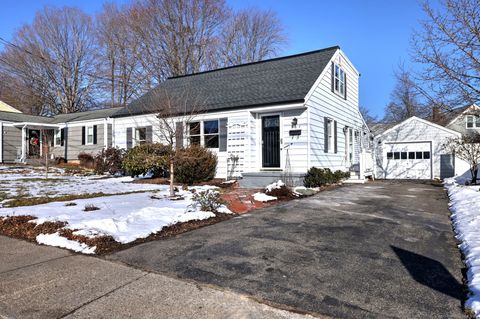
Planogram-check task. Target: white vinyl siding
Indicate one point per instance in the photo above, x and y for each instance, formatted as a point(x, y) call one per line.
point(325, 103)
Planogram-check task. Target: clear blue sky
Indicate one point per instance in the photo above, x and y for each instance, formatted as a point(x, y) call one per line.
point(375, 34)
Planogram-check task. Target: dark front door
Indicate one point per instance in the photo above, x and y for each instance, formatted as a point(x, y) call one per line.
point(271, 141)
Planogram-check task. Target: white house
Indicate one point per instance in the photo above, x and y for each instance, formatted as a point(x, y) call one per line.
point(264, 120)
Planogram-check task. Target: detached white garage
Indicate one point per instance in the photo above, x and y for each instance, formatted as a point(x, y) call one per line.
point(413, 149)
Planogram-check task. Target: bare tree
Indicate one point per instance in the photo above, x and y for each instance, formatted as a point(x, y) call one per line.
point(56, 54)
point(466, 148)
point(20, 94)
point(177, 36)
point(447, 46)
point(368, 116)
point(122, 71)
point(251, 35)
point(175, 114)
point(405, 99)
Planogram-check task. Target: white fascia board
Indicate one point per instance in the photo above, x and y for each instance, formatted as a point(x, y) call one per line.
point(47, 125)
point(320, 77)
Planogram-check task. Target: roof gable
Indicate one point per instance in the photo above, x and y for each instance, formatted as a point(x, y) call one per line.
point(414, 118)
point(274, 81)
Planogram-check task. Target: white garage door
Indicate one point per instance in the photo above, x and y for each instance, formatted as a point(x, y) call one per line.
point(408, 160)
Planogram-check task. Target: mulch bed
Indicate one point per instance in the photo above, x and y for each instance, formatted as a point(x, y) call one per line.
point(165, 181)
point(21, 227)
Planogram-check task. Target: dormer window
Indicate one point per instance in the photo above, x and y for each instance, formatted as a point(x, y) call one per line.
point(339, 80)
point(472, 121)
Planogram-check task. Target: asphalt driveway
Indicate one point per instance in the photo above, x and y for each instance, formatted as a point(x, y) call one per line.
point(378, 250)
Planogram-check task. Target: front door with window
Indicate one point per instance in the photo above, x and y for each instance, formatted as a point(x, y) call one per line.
point(271, 141)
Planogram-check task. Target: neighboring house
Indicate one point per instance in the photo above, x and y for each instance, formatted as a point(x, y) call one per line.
point(413, 149)
point(265, 120)
point(4, 107)
point(465, 119)
point(70, 134)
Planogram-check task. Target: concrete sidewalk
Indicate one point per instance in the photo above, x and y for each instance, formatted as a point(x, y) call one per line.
point(45, 282)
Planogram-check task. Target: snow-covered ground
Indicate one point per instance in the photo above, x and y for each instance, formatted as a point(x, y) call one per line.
point(465, 208)
point(124, 217)
point(27, 182)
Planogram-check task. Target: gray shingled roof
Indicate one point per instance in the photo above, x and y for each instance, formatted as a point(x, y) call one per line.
point(280, 80)
point(379, 128)
point(20, 117)
point(61, 118)
point(87, 115)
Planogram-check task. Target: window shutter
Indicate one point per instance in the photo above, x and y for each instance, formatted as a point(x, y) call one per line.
point(52, 141)
point(94, 134)
point(83, 135)
point(149, 134)
point(179, 135)
point(62, 137)
point(222, 144)
point(65, 142)
point(345, 93)
point(325, 133)
point(335, 137)
point(129, 138)
point(333, 77)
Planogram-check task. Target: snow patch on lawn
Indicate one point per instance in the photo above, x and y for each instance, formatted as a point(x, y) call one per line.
point(262, 197)
point(465, 207)
point(124, 217)
point(59, 241)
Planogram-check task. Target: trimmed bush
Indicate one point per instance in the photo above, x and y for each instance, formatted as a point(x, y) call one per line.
point(146, 158)
point(86, 160)
point(109, 160)
point(317, 177)
point(194, 164)
point(209, 200)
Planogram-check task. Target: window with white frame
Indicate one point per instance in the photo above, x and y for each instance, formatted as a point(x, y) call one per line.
point(210, 134)
point(339, 80)
point(330, 135)
point(472, 121)
point(140, 136)
point(194, 133)
point(58, 138)
point(204, 133)
point(89, 133)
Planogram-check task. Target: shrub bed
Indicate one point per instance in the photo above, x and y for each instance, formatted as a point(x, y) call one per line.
point(144, 158)
point(109, 161)
point(317, 177)
point(194, 164)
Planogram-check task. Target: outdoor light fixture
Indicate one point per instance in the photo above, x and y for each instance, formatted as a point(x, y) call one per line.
point(345, 129)
point(294, 122)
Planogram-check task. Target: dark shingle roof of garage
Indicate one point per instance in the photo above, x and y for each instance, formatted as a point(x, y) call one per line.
point(274, 81)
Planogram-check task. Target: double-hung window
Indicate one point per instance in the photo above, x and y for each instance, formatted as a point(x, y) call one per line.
point(330, 135)
point(89, 135)
point(194, 133)
point(210, 134)
point(204, 133)
point(59, 137)
point(472, 121)
point(339, 80)
point(140, 135)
